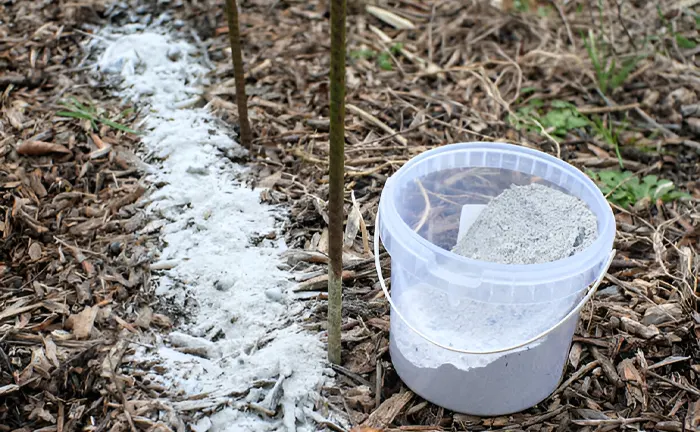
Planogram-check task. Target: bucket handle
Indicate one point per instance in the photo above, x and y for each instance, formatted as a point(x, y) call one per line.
point(591, 291)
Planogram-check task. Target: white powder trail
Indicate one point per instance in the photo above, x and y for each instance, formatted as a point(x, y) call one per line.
point(243, 324)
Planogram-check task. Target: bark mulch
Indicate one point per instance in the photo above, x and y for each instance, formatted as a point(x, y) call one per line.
point(74, 290)
point(465, 72)
point(73, 264)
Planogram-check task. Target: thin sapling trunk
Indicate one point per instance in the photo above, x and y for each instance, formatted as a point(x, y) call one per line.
point(336, 181)
point(237, 58)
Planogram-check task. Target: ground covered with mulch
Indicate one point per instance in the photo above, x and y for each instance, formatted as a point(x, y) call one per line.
point(75, 285)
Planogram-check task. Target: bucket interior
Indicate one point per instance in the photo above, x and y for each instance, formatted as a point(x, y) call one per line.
point(431, 205)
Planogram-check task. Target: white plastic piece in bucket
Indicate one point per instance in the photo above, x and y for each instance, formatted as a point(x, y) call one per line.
point(470, 213)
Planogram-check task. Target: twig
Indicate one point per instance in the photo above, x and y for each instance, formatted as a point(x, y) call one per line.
point(692, 390)
point(546, 134)
point(566, 23)
point(352, 374)
point(375, 121)
point(607, 109)
point(579, 373)
point(609, 422)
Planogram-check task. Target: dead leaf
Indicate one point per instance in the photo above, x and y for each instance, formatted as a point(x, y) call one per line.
point(40, 148)
point(352, 227)
point(633, 382)
point(50, 347)
point(35, 251)
point(145, 317)
point(270, 181)
point(40, 413)
point(162, 320)
point(575, 354)
point(82, 323)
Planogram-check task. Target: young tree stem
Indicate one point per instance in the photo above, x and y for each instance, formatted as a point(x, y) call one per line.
point(336, 180)
point(237, 58)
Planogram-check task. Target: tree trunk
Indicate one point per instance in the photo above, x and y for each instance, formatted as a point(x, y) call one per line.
point(237, 58)
point(336, 180)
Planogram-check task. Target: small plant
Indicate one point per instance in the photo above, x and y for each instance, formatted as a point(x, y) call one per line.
point(609, 135)
point(76, 109)
point(624, 188)
point(682, 41)
point(558, 121)
point(383, 58)
point(608, 73)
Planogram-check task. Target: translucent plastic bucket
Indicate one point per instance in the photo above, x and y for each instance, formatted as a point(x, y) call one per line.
point(472, 336)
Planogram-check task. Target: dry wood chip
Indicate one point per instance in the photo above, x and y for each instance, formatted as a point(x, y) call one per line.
point(82, 323)
point(321, 282)
point(608, 368)
point(692, 419)
point(388, 410)
point(660, 314)
point(145, 316)
point(7, 389)
point(638, 329)
point(35, 251)
point(51, 351)
point(633, 381)
point(40, 148)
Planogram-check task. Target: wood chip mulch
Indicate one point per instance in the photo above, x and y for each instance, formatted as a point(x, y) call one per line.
point(73, 261)
point(74, 289)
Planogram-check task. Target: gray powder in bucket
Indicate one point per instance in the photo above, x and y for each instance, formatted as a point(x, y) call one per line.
point(529, 225)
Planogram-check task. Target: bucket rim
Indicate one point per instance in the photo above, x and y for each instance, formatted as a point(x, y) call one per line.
point(595, 252)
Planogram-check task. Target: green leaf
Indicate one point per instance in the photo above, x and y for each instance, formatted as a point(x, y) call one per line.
point(537, 103)
point(74, 115)
point(384, 62)
point(575, 122)
point(362, 54)
point(396, 48)
point(651, 179)
point(527, 90)
point(685, 43)
point(118, 126)
point(562, 104)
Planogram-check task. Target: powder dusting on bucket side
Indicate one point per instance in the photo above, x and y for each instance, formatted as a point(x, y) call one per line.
point(529, 225)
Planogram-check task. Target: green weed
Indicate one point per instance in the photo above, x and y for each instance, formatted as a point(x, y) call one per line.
point(80, 111)
point(383, 58)
point(624, 188)
point(681, 40)
point(609, 135)
point(608, 73)
point(561, 118)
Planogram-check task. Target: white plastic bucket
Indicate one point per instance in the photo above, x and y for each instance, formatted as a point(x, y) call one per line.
point(478, 337)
